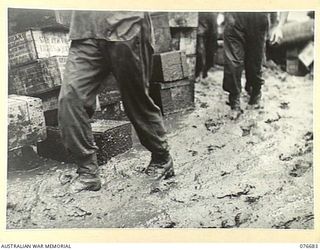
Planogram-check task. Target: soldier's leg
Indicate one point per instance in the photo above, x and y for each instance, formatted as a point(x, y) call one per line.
point(234, 39)
point(257, 30)
point(200, 62)
point(131, 65)
point(84, 70)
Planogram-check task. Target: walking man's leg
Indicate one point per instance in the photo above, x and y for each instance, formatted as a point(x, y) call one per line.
point(257, 30)
point(131, 65)
point(234, 40)
point(82, 78)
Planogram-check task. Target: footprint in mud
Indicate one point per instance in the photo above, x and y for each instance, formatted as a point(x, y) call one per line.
point(246, 128)
point(300, 168)
point(204, 105)
point(273, 119)
point(213, 125)
point(193, 152)
point(284, 105)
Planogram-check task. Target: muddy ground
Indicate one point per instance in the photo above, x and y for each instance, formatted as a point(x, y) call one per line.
point(252, 172)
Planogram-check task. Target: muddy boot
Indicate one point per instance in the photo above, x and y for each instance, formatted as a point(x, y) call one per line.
point(255, 97)
point(83, 182)
point(160, 166)
point(248, 89)
point(234, 102)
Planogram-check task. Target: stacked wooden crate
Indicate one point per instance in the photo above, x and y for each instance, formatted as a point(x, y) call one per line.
point(26, 125)
point(298, 41)
point(183, 27)
point(36, 64)
point(37, 59)
point(173, 73)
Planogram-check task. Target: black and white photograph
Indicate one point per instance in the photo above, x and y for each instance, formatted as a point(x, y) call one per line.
point(160, 119)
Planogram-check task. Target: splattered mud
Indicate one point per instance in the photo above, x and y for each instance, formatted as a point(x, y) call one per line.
point(255, 171)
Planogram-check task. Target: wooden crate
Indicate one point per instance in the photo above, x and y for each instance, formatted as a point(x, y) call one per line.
point(169, 66)
point(184, 39)
point(38, 77)
point(111, 137)
point(191, 61)
point(49, 99)
point(26, 124)
point(306, 55)
point(183, 19)
point(295, 67)
point(26, 47)
point(173, 97)
point(111, 107)
point(161, 29)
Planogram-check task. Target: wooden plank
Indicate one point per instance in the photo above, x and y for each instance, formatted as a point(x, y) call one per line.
point(38, 77)
point(26, 47)
point(169, 66)
point(111, 137)
point(26, 124)
point(173, 97)
point(183, 19)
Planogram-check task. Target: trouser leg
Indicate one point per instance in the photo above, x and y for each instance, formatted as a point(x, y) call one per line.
point(200, 61)
point(254, 50)
point(82, 78)
point(131, 65)
point(234, 39)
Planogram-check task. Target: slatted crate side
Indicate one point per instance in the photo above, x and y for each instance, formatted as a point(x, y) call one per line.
point(26, 124)
point(173, 97)
point(26, 47)
point(58, 43)
point(18, 124)
point(169, 66)
point(22, 48)
point(38, 77)
point(111, 137)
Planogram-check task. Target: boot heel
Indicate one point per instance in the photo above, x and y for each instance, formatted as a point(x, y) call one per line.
point(169, 174)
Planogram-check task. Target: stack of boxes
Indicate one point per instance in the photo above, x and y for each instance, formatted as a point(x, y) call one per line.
point(298, 39)
point(36, 64)
point(173, 73)
point(37, 59)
